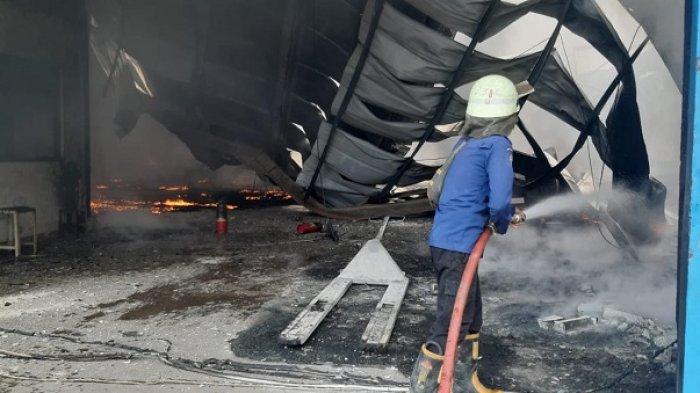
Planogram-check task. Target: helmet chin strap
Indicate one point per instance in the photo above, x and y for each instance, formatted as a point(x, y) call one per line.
point(482, 127)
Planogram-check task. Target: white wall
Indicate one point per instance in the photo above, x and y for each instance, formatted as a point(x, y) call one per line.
point(31, 184)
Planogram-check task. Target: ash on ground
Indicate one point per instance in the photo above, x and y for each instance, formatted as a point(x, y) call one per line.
point(168, 285)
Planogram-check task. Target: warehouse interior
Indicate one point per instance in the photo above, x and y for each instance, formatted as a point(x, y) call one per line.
point(159, 256)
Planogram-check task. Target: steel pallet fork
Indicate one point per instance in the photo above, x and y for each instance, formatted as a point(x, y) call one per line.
point(372, 265)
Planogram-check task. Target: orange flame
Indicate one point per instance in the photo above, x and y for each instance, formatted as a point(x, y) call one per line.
point(168, 205)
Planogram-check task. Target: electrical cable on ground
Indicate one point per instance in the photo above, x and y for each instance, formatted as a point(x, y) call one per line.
point(250, 382)
point(597, 191)
point(242, 369)
point(106, 381)
point(602, 165)
point(69, 357)
point(629, 371)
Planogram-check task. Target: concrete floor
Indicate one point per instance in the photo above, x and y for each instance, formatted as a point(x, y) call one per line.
point(117, 309)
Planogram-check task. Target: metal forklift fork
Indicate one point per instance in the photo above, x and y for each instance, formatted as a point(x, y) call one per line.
point(372, 265)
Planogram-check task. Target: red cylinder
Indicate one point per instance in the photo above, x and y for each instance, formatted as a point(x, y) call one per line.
point(221, 219)
point(307, 227)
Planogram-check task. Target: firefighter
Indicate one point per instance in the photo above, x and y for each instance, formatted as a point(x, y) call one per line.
point(476, 192)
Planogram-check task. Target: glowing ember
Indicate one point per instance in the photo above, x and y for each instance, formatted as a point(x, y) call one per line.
point(277, 194)
point(121, 196)
point(100, 205)
point(173, 188)
point(256, 195)
point(157, 207)
point(176, 202)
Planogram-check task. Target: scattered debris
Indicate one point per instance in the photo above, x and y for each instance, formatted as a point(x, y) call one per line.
point(572, 325)
point(93, 316)
point(308, 227)
point(560, 324)
point(252, 285)
point(212, 260)
point(664, 340)
point(646, 331)
point(547, 323)
point(622, 316)
point(332, 232)
point(328, 229)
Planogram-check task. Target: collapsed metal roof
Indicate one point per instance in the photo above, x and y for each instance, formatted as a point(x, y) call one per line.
point(372, 77)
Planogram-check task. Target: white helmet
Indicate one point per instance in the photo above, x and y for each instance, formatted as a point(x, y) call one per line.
point(493, 96)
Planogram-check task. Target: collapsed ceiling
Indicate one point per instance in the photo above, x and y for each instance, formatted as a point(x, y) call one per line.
point(375, 78)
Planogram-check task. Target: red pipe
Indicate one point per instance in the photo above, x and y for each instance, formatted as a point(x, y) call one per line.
point(447, 375)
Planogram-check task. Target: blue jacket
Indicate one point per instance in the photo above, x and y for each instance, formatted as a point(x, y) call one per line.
point(477, 189)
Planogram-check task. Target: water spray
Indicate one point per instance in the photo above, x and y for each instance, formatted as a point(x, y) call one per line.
point(558, 204)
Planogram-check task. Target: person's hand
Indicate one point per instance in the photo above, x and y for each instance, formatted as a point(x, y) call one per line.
point(492, 227)
point(518, 218)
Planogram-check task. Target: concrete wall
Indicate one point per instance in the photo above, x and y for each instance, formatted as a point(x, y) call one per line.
point(31, 184)
point(58, 39)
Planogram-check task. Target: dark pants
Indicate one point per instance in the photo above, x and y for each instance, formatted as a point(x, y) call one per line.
point(450, 266)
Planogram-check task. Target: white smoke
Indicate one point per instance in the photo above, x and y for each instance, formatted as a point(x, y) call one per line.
point(569, 266)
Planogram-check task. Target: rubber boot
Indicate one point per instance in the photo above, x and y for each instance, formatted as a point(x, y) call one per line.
point(426, 372)
point(466, 377)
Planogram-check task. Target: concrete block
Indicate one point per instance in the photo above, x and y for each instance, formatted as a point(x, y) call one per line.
point(547, 322)
point(622, 316)
point(573, 324)
point(664, 340)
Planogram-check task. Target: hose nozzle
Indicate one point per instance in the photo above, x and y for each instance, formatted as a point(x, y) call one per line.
point(518, 217)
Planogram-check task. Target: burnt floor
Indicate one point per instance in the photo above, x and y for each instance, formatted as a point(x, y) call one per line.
point(151, 303)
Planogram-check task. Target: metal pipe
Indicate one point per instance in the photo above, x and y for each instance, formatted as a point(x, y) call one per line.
point(385, 222)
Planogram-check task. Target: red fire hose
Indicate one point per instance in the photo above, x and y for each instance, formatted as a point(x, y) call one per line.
point(447, 375)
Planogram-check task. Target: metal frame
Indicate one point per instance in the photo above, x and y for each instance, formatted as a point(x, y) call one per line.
point(372, 265)
point(479, 32)
point(13, 229)
point(349, 92)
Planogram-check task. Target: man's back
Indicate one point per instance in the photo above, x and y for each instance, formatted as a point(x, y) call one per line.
point(477, 188)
